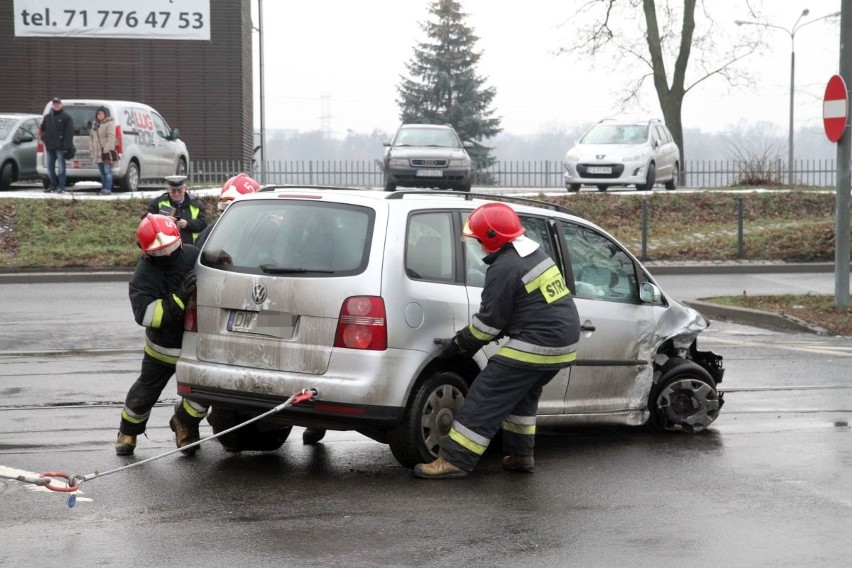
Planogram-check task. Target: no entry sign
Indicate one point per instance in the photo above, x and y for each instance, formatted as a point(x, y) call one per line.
point(834, 108)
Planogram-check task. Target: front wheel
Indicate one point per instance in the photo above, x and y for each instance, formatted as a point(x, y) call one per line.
point(7, 175)
point(256, 437)
point(602, 187)
point(429, 417)
point(181, 168)
point(649, 179)
point(684, 398)
point(389, 185)
point(573, 187)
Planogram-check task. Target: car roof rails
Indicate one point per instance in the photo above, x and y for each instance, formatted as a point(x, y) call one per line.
point(469, 196)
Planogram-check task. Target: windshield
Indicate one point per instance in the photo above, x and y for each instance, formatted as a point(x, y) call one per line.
point(616, 134)
point(6, 126)
point(291, 237)
point(437, 137)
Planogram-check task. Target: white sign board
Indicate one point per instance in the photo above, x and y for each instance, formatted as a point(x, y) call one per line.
point(151, 19)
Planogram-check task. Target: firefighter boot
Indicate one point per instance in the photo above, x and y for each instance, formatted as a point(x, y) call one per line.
point(439, 469)
point(515, 462)
point(125, 444)
point(184, 435)
point(312, 436)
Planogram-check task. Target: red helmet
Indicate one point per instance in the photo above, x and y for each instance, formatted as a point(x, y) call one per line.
point(493, 225)
point(157, 235)
point(238, 185)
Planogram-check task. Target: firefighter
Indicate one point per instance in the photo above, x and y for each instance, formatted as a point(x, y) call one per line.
point(184, 208)
point(525, 299)
point(240, 184)
point(160, 289)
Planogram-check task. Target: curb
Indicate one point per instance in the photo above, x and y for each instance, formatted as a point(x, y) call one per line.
point(756, 318)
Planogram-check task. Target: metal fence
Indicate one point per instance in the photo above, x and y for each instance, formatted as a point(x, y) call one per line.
point(533, 174)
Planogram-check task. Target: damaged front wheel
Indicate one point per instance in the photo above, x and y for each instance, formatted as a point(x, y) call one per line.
point(684, 398)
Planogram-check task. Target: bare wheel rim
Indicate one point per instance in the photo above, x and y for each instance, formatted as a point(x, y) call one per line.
point(441, 408)
point(688, 404)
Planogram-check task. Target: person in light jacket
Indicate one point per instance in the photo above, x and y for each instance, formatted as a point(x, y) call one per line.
point(102, 143)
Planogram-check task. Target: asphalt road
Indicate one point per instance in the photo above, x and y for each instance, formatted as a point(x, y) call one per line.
point(767, 485)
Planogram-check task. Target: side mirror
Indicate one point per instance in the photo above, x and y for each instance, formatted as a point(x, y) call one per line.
point(467, 144)
point(650, 293)
point(175, 134)
point(21, 137)
point(386, 143)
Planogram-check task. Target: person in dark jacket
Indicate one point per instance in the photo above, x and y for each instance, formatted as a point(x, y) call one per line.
point(159, 290)
point(184, 208)
point(525, 298)
point(57, 133)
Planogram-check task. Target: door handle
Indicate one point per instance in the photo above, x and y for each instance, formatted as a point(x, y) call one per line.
point(587, 327)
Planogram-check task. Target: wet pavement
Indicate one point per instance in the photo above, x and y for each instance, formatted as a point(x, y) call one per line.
point(767, 485)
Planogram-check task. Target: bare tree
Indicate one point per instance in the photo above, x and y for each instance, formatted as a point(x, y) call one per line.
point(674, 36)
point(756, 151)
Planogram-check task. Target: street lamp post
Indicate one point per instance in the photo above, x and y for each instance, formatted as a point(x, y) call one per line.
point(792, 33)
point(259, 29)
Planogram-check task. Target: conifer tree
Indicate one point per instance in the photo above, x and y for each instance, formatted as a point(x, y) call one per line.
point(444, 87)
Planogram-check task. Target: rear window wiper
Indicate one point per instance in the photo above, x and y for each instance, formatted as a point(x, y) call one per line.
point(274, 269)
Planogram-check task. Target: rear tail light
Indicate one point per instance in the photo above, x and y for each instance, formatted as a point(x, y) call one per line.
point(190, 314)
point(119, 140)
point(362, 324)
point(40, 145)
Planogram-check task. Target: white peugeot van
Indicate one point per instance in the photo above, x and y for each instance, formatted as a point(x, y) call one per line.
point(149, 148)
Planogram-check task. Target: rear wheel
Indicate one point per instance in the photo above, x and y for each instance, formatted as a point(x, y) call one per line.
point(672, 184)
point(131, 178)
point(429, 417)
point(256, 437)
point(7, 175)
point(684, 399)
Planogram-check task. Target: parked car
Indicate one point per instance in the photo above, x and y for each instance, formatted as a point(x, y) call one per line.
point(619, 152)
point(427, 155)
point(18, 140)
point(345, 290)
point(148, 147)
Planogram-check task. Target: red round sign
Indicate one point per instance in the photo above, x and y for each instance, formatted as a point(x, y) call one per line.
point(834, 108)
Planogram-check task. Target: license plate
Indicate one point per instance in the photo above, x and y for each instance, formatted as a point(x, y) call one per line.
point(276, 324)
point(600, 170)
point(430, 173)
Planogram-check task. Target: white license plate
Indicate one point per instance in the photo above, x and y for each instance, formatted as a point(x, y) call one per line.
point(430, 173)
point(276, 324)
point(600, 170)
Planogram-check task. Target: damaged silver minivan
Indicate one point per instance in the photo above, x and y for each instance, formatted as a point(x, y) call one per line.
point(343, 291)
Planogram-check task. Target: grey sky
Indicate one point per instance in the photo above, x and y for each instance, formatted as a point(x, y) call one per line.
point(336, 63)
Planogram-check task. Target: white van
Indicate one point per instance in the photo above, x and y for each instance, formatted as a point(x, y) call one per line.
point(149, 148)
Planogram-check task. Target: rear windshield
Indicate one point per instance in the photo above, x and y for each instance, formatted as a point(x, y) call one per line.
point(290, 237)
point(83, 117)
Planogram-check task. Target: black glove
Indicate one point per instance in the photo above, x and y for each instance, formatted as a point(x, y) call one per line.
point(187, 287)
point(449, 348)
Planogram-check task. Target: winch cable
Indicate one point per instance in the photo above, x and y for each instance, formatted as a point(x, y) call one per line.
point(73, 482)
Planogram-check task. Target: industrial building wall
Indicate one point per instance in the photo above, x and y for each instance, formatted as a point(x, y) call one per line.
point(204, 88)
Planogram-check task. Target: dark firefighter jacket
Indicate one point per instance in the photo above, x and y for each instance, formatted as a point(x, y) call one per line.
point(526, 299)
point(190, 209)
point(154, 303)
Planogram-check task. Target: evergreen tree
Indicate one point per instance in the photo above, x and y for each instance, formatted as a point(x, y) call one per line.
point(444, 87)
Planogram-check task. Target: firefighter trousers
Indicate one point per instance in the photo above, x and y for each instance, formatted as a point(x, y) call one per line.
point(145, 392)
point(501, 396)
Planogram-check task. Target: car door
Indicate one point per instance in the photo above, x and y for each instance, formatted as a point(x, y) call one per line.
point(27, 134)
point(666, 152)
point(616, 327)
point(552, 399)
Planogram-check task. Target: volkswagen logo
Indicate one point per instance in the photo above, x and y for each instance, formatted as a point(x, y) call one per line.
point(258, 293)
